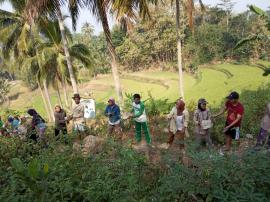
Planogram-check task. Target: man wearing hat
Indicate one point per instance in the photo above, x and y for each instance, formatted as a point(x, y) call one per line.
point(78, 115)
point(235, 112)
point(112, 111)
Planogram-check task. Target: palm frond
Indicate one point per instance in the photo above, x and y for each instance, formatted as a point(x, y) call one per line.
point(12, 40)
point(81, 53)
point(258, 11)
point(74, 10)
point(246, 40)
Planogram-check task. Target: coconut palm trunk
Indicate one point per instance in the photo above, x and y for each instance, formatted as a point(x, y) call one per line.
point(112, 52)
point(64, 87)
point(67, 54)
point(179, 50)
point(59, 95)
point(45, 102)
point(47, 96)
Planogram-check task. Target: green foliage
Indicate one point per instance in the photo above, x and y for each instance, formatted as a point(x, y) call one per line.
point(118, 173)
point(217, 179)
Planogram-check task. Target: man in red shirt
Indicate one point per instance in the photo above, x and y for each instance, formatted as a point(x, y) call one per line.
point(235, 112)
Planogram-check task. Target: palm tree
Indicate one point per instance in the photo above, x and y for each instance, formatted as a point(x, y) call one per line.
point(179, 50)
point(41, 49)
point(35, 9)
point(15, 36)
point(99, 9)
point(189, 7)
point(54, 49)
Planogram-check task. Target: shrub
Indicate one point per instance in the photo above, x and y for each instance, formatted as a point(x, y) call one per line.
point(217, 178)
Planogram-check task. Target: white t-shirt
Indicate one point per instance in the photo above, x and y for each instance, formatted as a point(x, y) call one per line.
point(180, 122)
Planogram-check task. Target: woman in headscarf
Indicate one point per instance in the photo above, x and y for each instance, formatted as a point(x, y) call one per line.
point(179, 119)
point(203, 123)
point(112, 111)
point(38, 124)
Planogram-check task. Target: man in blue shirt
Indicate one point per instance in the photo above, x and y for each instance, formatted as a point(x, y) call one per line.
point(112, 111)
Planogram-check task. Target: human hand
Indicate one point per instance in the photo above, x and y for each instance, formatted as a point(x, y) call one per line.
point(226, 129)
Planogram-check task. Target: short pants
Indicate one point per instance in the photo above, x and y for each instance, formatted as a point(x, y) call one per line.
point(79, 127)
point(233, 132)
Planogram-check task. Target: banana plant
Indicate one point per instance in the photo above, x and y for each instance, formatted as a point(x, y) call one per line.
point(260, 36)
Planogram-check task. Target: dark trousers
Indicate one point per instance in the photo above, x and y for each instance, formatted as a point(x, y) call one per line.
point(261, 138)
point(57, 132)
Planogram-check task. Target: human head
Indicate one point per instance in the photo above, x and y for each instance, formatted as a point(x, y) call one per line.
point(10, 119)
point(77, 98)
point(23, 119)
point(233, 97)
point(137, 98)
point(32, 112)
point(202, 104)
point(111, 101)
point(57, 108)
point(180, 104)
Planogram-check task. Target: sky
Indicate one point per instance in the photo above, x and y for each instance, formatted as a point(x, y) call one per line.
point(85, 16)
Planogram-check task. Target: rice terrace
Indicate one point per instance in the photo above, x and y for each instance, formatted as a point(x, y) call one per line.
point(134, 100)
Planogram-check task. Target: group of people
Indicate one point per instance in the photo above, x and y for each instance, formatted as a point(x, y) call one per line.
point(36, 127)
point(178, 122)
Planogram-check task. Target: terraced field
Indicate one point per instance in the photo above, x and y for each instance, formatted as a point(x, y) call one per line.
point(213, 83)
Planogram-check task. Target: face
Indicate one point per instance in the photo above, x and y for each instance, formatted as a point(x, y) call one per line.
point(77, 100)
point(137, 100)
point(110, 102)
point(23, 119)
point(57, 109)
point(203, 105)
point(234, 101)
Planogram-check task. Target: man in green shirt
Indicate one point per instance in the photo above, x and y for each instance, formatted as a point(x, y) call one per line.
point(140, 119)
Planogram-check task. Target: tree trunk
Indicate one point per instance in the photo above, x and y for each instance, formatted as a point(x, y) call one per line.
point(179, 50)
point(48, 99)
point(59, 95)
point(114, 62)
point(68, 59)
point(64, 86)
point(227, 21)
point(44, 102)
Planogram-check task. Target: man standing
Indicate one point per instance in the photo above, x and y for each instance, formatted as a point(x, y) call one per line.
point(140, 119)
point(79, 124)
point(113, 112)
point(235, 112)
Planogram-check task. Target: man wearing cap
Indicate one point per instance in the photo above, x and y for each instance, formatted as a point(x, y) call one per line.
point(235, 112)
point(78, 115)
point(112, 111)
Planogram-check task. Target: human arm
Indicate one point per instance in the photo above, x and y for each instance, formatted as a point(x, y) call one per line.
point(222, 111)
point(186, 121)
point(117, 112)
point(170, 115)
point(238, 118)
point(59, 119)
point(196, 118)
point(142, 107)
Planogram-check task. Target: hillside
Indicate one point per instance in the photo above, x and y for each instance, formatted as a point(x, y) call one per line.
point(212, 82)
